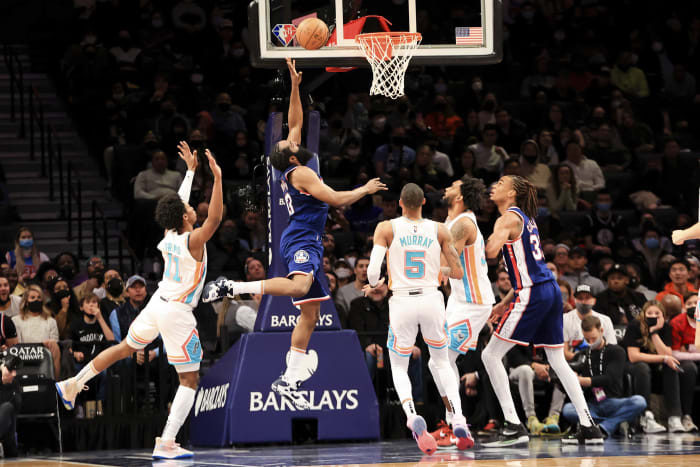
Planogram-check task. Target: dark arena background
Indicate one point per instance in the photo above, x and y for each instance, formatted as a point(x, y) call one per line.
point(595, 103)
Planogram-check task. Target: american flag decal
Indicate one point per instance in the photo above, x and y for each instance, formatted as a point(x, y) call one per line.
point(469, 36)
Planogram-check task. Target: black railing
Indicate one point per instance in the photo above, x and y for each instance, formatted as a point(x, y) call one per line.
point(75, 196)
point(14, 68)
point(100, 234)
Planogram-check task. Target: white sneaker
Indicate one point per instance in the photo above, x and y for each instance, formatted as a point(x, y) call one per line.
point(68, 390)
point(688, 424)
point(675, 425)
point(169, 449)
point(649, 425)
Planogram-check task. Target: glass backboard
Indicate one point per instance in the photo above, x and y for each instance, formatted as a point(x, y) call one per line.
point(455, 32)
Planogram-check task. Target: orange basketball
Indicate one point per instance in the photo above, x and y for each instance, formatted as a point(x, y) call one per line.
point(312, 33)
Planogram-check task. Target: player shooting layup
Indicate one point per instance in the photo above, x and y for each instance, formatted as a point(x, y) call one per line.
point(413, 246)
point(535, 316)
point(169, 313)
point(471, 297)
point(307, 199)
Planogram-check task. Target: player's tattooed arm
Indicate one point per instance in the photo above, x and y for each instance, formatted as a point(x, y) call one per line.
point(463, 233)
point(448, 249)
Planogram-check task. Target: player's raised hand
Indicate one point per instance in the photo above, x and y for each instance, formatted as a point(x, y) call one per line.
point(374, 186)
point(183, 149)
point(293, 73)
point(215, 169)
point(368, 288)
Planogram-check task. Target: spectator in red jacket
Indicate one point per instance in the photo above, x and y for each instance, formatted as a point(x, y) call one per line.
point(679, 285)
point(683, 328)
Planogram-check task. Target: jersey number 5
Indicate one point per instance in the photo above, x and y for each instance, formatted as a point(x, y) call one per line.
point(414, 265)
point(173, 275)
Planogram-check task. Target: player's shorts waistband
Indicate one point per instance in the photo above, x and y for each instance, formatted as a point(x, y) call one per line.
point(174, 303)
point(414, 292)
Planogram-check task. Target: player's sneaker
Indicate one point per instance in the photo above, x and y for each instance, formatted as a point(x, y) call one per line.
point(688, 424)
point(310, 364)
point(461, 431)
point(68, 390)
point(585, 435)
point(216, 290)
point(417, 425)
point(551, 425)
point(491, 428)
point(534, 426)
point(675, 425)
point(510, 435)
point(169, 449)
point(288, 389)
point(443, 431)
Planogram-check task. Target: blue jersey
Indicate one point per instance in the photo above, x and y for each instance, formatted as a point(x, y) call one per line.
point(305, 211)
point(523, 256)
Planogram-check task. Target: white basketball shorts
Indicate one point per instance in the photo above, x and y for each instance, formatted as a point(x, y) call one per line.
point(408, 313)
point(464, 323)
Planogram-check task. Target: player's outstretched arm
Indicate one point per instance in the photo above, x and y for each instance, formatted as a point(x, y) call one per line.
point(201, 235)
point(295, 115)
point(190, 158)
point(680, 236)
point(306, 179)
point(449, 251)
point(505, 225)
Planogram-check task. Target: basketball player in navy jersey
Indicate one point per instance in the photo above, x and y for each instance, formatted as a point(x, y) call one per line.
point(534, 313)
point(307, 199)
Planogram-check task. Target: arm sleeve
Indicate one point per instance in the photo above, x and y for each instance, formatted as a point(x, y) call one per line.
point(186, 187)
point(375, 264)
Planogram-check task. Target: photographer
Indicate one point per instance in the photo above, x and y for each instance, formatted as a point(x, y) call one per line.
point(600, 375)
point(10, 403)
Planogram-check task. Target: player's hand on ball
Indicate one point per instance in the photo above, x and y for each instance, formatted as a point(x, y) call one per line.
point(677, 237)
point(183, 149)
point(215, 169)
point(368, 288)
point(296, 76)
point(374, 186)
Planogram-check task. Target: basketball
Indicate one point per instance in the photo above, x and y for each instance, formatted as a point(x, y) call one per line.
point(312, 33)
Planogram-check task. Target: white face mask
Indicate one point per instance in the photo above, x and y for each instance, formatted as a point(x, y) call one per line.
point(477, 86)
point(351, 261)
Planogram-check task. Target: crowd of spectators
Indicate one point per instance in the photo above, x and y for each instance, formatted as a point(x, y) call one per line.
point(594, 102)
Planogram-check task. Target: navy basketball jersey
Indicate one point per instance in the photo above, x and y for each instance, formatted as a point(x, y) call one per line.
point(305, 211)
point(523, 256)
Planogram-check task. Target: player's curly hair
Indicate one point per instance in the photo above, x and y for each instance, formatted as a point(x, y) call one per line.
point(473, 192)
point(169, 212)
point(279, 158)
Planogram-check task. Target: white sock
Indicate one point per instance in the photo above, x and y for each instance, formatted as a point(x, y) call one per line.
point(492, 356)
point(448, 379)
point(296, 363)
point(568, 379)
point(182, 403)
point(86, 374)
point(399, 373)
point(237, 288)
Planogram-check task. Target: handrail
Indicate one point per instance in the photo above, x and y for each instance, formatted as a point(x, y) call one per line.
point(75, 194)
point(14, 67)
point(95, 210)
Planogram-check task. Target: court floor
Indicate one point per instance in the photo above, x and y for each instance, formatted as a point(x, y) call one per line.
point(677, 450)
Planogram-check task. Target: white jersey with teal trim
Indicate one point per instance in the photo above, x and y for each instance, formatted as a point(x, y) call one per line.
point(413, 259)
point(474, 286)
point(183, 276)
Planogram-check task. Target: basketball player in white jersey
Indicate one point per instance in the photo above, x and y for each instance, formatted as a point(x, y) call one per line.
point(413, 246)
point(471, 297)
point(169, 313)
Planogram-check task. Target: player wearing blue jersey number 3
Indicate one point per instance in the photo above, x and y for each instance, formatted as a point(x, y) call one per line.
point(307, 199)
point(534, 313)
point(169, 312)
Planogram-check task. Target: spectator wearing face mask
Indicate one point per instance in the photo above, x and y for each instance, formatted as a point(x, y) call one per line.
point(343, 271)
point(577, 272)
point(67, 264)
point(530, 166)
point(634, 273)
point(651, 249)
point(573, 335)
point(35, 325)
point(602, 381)
point(619, 302)
point(567, 296)
point(226, 121)
point(678, 285)
point(114, 294)
point(683, 330)
point(604, 229)
point(628, 78)
point(648, 341)
point(25, 258)
point(390, 158)
point(64, 305)
point(95, 281)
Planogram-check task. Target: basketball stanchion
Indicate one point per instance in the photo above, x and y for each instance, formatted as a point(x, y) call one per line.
point(234, 403)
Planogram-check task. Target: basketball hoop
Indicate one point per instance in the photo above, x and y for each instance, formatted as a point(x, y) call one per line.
point(388, 53)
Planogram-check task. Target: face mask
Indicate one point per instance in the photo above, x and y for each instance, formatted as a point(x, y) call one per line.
point(353, 152)
point(61, 294)
point(115, 287)
point(224, 106)
point(98, 274)
point(565, 297)
point(531, 159)
point(652, 243)
point(351, 261)
point(605, 207)
point(398, 140)
point(36, 306)
point(26, 242)
point(634, 282)
point(690, 311)
point(597, 343)
point(651, 322)
point(477, 86)
point(542, 211)
point(67, 272)
point(584, 308)
point(157, 23)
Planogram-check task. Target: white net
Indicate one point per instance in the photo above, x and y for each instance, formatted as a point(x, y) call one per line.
point(388, 54)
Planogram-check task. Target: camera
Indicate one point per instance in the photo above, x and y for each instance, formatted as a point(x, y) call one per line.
point(11, 362)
